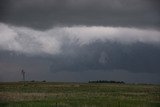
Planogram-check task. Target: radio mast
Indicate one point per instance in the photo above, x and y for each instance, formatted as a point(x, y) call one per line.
point(23, 75)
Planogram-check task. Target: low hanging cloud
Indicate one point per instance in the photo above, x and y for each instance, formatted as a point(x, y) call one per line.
point(29, 41)
point(51, 38)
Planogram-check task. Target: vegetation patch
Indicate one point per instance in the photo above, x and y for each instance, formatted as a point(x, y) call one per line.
point(45, 94)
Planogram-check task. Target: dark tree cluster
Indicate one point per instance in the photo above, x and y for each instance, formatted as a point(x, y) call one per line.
point(105, 81)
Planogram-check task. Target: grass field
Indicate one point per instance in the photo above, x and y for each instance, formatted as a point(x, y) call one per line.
point(39, 94)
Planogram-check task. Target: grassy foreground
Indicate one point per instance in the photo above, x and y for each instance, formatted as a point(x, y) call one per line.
point(78, 95)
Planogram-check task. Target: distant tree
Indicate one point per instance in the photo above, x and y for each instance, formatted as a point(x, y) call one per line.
point(44, 81)
point(33, 81)
point(105, 81)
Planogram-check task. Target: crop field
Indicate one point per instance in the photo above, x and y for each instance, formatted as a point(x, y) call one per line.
point(49, 94)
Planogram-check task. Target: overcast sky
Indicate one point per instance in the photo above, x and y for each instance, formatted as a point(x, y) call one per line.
point(80, 40)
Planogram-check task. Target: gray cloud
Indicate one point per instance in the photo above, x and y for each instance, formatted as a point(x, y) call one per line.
point(39, 68)
point(28, 41)
point(11, 64)
point(108, 56)
point(50, 42)
point(82, 48)
point(73, 38)
point(43, 14)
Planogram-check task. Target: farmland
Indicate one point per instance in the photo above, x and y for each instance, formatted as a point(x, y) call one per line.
point(52, 94)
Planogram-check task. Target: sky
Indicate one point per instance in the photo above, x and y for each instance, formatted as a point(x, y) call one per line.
point(80, 40)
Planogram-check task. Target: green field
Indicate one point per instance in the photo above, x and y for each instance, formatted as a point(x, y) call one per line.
point(38, 94)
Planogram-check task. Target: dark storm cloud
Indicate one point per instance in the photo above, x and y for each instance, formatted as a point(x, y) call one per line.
point(69, 39)
point(84, 48)
point(80, 53)
point(4, 4)
point(47, 13)
point(108, 56)
point(112, 61)
point(11, 64)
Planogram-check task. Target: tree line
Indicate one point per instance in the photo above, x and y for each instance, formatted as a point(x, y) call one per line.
point(106, 81)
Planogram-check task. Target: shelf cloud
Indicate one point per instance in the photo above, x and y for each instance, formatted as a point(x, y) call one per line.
point(77, 37)
point(29, 41)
